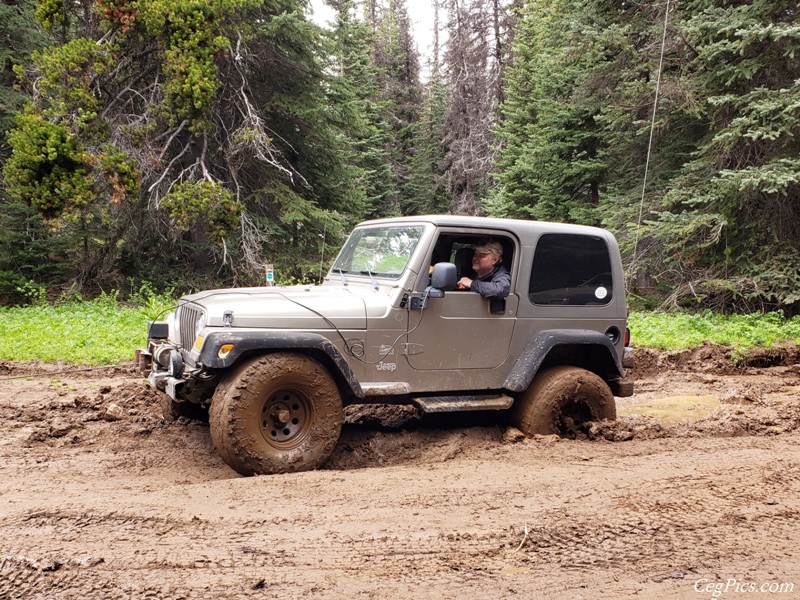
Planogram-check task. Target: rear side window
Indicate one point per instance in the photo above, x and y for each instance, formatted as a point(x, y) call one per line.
point(570, 270)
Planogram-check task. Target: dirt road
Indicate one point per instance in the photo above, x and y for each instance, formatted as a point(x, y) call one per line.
point(100, 498)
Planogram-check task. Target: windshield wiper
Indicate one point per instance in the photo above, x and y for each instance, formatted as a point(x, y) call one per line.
point(371, 278)
point(341, 274)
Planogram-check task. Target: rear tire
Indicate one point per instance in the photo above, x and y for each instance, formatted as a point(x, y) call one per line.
point(276, 413)
point(560, 400)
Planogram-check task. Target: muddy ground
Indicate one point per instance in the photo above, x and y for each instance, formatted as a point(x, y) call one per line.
point(693, 493)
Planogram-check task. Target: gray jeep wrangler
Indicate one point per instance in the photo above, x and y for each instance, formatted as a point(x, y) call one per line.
point(275, 366)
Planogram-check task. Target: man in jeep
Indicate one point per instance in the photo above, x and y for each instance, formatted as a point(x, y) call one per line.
point(492, 278)
point(274, 367)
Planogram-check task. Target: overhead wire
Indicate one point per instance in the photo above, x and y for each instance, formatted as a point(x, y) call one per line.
point(650, 141)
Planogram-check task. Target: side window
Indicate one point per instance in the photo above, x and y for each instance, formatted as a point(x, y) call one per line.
point(458, 249)
point(570, 270)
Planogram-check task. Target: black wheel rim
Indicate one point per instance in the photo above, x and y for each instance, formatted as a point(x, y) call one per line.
point(286, 418)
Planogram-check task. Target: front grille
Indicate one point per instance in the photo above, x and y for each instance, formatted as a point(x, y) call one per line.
point(188, 319)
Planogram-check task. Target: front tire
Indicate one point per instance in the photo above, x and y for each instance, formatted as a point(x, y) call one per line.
point(560, 400)
point(276, 413)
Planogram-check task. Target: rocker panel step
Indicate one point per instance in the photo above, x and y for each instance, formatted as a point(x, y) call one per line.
point(441, 404)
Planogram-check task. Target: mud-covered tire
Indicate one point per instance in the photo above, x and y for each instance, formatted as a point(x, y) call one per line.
point(560, 400)
point(172, 410)
point(275, 414)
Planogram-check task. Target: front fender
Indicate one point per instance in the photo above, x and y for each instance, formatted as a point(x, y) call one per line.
point(583, 348)
point(248, 342)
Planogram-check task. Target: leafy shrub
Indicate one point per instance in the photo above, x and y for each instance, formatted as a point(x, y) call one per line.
point(677, 331)
point(93, 332)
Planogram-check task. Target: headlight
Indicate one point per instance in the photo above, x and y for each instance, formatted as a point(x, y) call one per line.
point(199, 325)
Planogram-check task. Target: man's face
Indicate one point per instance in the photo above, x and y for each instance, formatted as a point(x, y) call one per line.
point(483, 263)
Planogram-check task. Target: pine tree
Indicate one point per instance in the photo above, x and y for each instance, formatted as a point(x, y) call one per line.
point(426, 187)
point(718, 219)
point(400, 95)
point(426, 184)
point(730, 224)
point(550, 166)
point(19, 38)
point(357, 111)
point(196, 133)
point(474, 61)
point(31, 255)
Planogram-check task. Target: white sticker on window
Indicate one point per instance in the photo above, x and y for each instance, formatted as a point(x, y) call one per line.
point(601, 293)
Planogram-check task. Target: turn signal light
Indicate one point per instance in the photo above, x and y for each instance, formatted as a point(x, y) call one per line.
point(224, 350)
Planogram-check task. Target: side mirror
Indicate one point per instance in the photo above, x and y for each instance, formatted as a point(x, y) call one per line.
point(444, 276)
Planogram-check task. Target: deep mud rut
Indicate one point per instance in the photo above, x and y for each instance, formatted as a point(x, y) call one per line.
point(100, 498)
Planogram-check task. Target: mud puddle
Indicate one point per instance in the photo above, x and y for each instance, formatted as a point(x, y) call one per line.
point(671, 410)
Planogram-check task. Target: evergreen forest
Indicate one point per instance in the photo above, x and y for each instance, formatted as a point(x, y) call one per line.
point(184, 144)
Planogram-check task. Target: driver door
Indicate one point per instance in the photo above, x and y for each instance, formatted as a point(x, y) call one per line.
point(459, 331)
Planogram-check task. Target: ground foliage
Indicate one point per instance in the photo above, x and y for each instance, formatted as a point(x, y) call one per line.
point(189, 143)
point(99, 331)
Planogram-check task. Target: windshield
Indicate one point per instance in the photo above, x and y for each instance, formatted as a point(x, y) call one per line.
point(378, 251)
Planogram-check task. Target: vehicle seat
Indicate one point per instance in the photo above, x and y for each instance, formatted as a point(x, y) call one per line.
point(463, 262)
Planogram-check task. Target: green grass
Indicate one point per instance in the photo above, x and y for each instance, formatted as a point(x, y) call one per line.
point(95, 332)
point(678, 331)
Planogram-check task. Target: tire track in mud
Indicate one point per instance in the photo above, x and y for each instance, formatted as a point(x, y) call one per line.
point(670, 518)
point(683, 522)
point(245, 553)
point(659, 529)
point(673, 523)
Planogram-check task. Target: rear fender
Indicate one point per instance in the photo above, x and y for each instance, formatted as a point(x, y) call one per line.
point(590, 350)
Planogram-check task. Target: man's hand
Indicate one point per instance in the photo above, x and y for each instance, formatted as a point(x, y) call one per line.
point(464, 283)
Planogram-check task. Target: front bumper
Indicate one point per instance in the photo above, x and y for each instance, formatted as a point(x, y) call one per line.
point(164, 382)
point(159, 376)
point(164, 366)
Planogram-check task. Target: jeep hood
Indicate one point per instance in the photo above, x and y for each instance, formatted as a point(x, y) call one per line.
point(295, 307)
